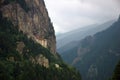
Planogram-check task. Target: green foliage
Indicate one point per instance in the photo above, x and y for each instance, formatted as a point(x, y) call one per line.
point(7, 38)
point(27, 71)
point(23, 5)
point(15, 66)
point(6, 2)
point(116, 75)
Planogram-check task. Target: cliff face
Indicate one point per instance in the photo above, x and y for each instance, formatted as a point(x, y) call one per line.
point(21, 58)
point(24, 25)
point(32, 18)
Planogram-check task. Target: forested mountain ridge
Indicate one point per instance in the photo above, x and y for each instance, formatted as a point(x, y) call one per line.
point(79, 34)
point(96, 56)
point(22, 57)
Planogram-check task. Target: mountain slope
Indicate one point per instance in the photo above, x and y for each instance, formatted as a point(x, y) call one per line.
point(96, 56)
point(79, 34)
point(116, 74)
point(22, 57)
point(32, 19)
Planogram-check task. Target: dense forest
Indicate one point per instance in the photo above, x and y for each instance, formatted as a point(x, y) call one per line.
point(116, 74)
point(18, 66)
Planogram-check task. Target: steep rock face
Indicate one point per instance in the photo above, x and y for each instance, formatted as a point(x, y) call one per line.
point(41, 60)
point(22, 58)
point(32, 18)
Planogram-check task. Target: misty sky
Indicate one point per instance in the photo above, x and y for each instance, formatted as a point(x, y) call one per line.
point(67, 15)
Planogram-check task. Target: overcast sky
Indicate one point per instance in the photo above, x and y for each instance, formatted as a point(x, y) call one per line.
point(67, 15)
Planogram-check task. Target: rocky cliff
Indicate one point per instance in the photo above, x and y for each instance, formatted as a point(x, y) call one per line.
point(21, 58)
point(32, 19)
point(24, 25)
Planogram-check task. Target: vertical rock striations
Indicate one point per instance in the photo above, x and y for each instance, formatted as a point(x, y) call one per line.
point(32, 18)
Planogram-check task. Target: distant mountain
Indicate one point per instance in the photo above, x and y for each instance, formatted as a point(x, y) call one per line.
point(80, 33)
point(96, 56)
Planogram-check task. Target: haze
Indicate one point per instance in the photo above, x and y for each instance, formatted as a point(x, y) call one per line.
point(67, 15)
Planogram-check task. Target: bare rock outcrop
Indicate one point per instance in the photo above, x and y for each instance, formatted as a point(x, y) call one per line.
point(41, 60)
point(32, 19)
